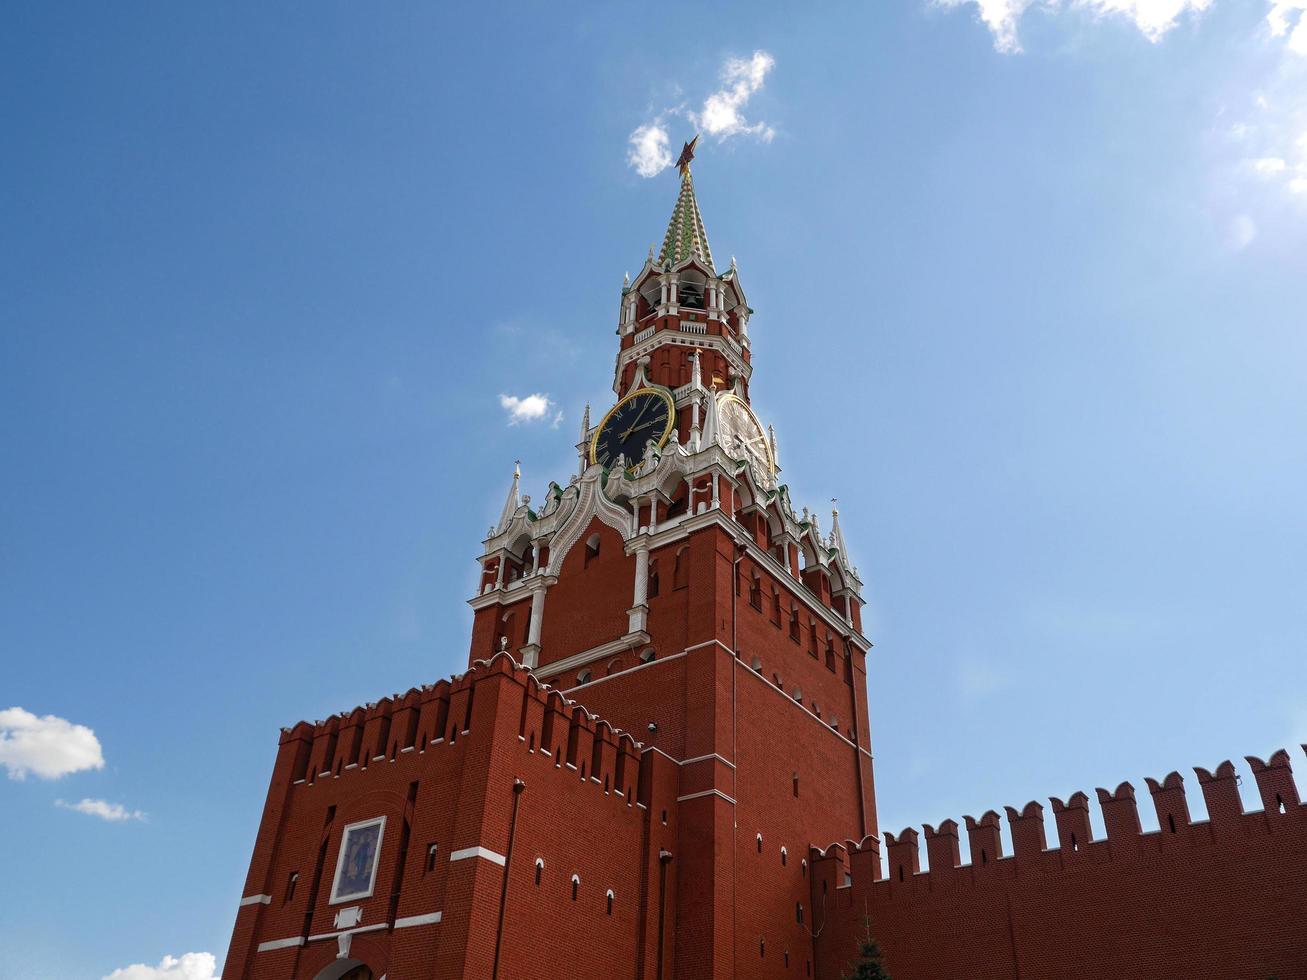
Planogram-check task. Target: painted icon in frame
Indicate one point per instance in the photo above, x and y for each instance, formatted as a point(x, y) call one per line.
point(356, 867)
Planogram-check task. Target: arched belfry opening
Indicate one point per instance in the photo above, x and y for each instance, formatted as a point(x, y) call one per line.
point(345, 970)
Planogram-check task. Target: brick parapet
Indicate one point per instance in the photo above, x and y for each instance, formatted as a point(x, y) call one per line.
point(1192, 882)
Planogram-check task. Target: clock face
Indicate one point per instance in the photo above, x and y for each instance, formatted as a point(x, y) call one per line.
point(741, 435)
point(642, 415)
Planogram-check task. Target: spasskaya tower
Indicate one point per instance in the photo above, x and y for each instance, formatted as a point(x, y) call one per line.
point(664, 708)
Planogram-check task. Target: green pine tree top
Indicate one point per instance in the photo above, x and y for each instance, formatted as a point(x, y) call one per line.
point(868, 965)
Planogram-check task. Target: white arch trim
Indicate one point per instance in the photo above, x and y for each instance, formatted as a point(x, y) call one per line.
point(592, 503)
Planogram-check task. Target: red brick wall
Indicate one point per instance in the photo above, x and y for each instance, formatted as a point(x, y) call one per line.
point(588, 604)
point(459, 793)
point(1220, 898)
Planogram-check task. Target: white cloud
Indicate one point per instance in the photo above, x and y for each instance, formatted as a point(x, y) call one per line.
point(189, 966)
point(529, 408)
point(1272, 143)
point(649, 147)
point(650, 150)
point(113, 812)
point(49, 747)
point(1153, 18)
point(1269, 166)
point(1242, 232)
point(1001, 17)
point(721, 116)
point(1288, 19)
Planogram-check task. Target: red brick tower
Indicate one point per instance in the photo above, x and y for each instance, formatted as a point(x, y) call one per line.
point(495, 826)
point(676, 592)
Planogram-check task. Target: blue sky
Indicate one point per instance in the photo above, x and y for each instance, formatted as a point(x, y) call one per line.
point(1029, 282)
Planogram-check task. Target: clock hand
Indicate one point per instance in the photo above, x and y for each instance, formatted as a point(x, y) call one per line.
point(628, 432)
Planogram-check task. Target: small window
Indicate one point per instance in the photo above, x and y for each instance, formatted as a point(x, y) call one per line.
point(431, 857)
point(591, 549)
point(540, 869)
point(785, 857)
point(576, 886)
point(290, 887)
point(798, 912)
point(609, 898)
point(681, 570)
point(585, 676)
point(648, 656)
point(652, 590)
point(795, 780)
point(762, 946)
point(803, 868)
point(760, 843)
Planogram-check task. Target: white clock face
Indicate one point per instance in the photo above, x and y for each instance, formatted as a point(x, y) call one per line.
point(741, 435)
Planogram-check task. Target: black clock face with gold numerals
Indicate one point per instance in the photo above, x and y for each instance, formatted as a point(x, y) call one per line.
point(630, 424)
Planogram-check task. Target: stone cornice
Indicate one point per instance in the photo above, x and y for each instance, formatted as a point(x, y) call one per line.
point(620, 645)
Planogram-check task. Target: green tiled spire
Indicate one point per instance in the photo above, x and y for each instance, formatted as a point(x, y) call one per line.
point(685, 233)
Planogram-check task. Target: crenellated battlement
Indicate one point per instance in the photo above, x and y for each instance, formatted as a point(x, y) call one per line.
point(858, 864)
point(439, 714)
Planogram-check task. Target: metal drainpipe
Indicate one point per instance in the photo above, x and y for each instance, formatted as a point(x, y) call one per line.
point(518, 786)
point(664, 859)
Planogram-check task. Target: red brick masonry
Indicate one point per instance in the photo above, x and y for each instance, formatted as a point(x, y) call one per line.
point(1224, 898)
